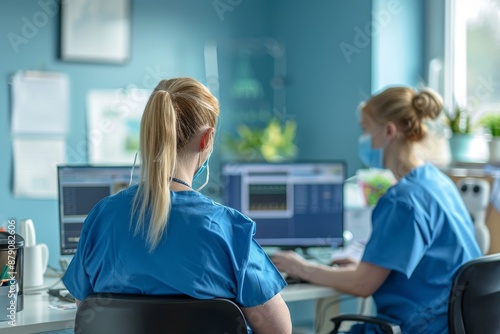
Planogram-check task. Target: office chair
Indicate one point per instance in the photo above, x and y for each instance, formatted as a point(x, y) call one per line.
point(475, 297)
point(473, 303)
point(108, 313)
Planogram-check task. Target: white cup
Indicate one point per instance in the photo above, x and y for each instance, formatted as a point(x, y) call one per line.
point(36, 259)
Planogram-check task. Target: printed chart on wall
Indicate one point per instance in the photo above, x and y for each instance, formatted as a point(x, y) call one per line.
point(113, 123)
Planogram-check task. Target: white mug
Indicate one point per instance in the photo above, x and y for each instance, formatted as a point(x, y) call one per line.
point(36, 259)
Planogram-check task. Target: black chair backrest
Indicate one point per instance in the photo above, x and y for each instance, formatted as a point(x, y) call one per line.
point(138, 314)
point(475, 297)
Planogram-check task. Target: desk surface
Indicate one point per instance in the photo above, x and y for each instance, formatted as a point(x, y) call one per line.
point(38, 317)
point(304, 291)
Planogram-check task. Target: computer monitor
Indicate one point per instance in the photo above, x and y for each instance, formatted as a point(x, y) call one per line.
point(79, 189)
point(294, 205)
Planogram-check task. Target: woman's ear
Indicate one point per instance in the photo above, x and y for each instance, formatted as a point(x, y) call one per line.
point(391, 130)
point(207, 139)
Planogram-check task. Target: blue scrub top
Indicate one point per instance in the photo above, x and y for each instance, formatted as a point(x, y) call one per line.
point(423, 233)
point(207, 251)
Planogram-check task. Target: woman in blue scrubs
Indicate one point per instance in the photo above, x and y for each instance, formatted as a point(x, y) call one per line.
point(161, 237)
point(421, 230)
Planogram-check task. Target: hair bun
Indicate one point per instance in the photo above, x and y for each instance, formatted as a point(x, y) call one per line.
point(427, 103)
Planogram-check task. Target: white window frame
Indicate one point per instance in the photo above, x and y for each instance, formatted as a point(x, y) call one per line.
point(455, 61)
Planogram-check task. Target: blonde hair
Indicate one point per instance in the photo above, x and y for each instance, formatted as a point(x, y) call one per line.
point(406, 107)
point(176, 110)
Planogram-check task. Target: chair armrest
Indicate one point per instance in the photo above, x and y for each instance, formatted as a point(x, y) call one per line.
point(387, 327)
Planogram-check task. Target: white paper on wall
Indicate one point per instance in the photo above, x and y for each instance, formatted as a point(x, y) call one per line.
point(40, 103)
point(35, 166)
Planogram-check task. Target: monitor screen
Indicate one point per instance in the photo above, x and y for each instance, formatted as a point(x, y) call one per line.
point(79, 189)
point(296, 204)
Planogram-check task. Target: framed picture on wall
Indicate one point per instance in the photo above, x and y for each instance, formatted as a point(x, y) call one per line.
point(95, 31)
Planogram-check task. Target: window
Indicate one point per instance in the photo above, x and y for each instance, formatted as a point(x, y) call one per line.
point(473, 45)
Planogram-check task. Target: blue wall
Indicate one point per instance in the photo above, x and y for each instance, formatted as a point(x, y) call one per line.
point(329, 72)
point(324, 87)
point(398, 43)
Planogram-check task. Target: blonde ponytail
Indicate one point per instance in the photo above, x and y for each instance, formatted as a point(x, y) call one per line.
point(158, 155)
point(177, 109)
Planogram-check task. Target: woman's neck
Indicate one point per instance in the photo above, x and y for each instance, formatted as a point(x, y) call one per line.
point(402, 159)
point(184, 174)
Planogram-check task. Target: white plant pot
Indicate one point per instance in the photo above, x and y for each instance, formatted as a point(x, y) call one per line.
point(469, 148)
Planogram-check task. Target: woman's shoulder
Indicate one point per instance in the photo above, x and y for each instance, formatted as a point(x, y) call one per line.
point(120, 198)
point(116, 205)
point(429, 179)
point(212, 209)
point(423, 176)
point(236, 216)
point(425, 183)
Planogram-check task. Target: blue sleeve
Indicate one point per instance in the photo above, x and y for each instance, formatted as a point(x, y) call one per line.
point(75, 278)
point(399, 238)
point(259, 280)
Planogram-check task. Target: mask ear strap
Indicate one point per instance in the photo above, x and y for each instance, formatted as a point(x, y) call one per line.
point(206, 179)
point(132, 170)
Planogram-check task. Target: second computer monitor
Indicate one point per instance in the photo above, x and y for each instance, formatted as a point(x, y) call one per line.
point(293, 204)
point(79, 189)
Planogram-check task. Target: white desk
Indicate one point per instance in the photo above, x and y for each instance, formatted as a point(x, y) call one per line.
point(302, 291)
point(38, 317)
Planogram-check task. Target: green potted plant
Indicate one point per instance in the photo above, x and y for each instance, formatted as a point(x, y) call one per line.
point(491, 122)
point(459, 122)
point(465, 147)
point(273, 143)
